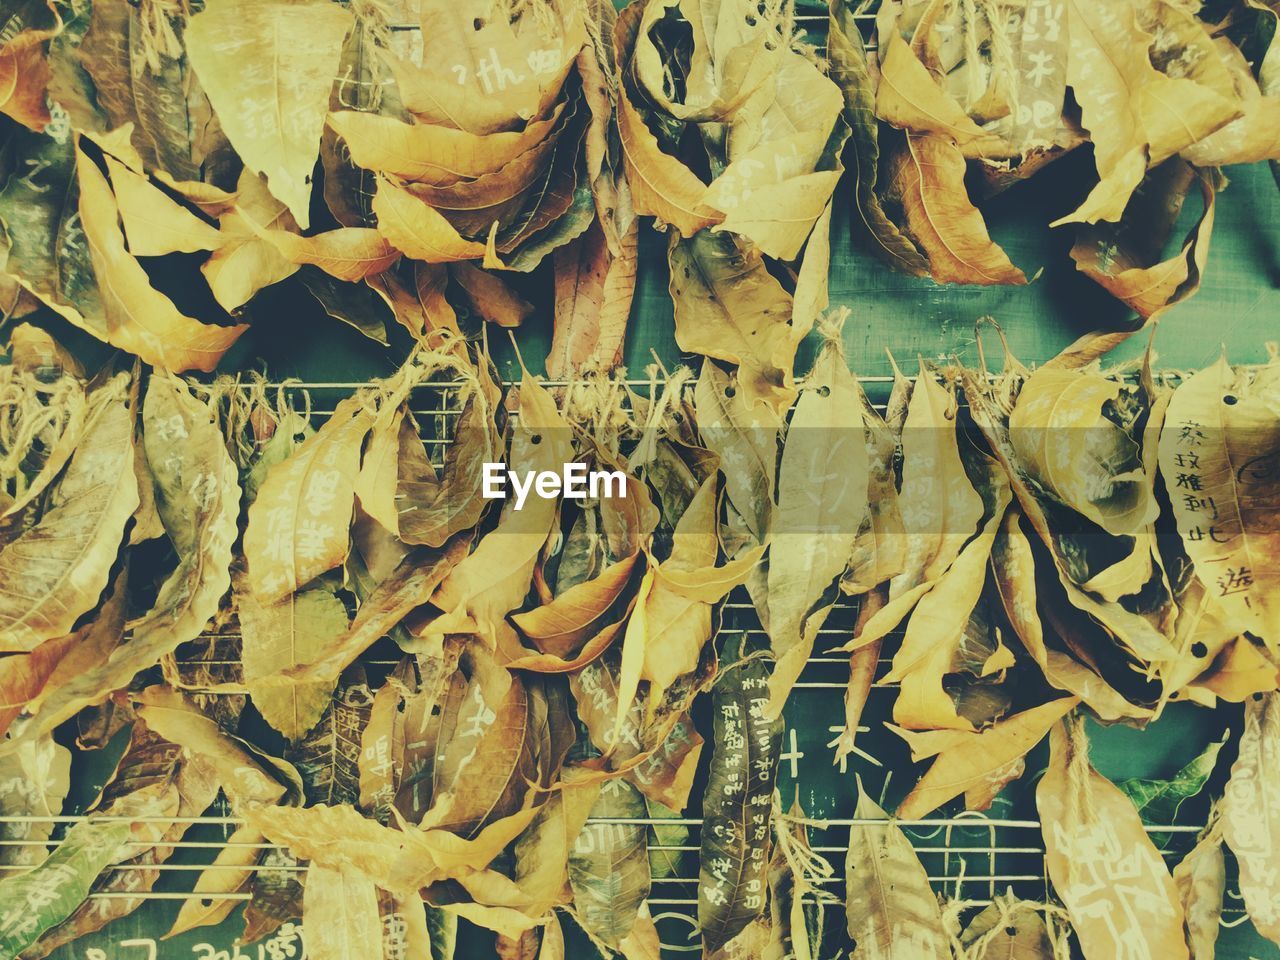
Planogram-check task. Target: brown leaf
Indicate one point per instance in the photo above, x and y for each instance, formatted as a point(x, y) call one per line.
point(728, 306)
point(1009, 929)
point(490, 296)
point(927, 178)
point(24, 69)
point(1125, 259)
point(594, 290)
point(734, 859)
point(348, 253)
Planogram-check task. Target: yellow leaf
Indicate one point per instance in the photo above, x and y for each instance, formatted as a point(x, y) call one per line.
point(927, 175)
point(340, 918)
point(154, 224)
point(1137, 115)
point(299, 526)
point(56, 570)
point(890, 907)
point(419, 230)
point(1113, 881)
point(140, 318)
point(267, 67)
point(1220, 435)
point(975, 764)
point(1251, 812)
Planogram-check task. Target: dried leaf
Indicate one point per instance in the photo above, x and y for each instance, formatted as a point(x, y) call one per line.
point(1251, 809)
point(975, 764)
point(46, 895)
point(292, 632)
point(34, 780)
point(1138, 113)
point(340, 919)
point(850, 72)
point(24, 71)
point(57, 569)
point(1201, 880)
point(139, 318)
point(494, 580)
point(1112, 880)
point(299, 525)
point(267, 68)
point(198, 498)
point(1219, 441)
point(1009, 929)
point(926, 176)
point(1125, 259)
point(822, 487)
point(729, 307)
point(734, 860)
point(594, 290)
point(154, 223)
point(328, 756)
point(609, 865)
point(891, 910)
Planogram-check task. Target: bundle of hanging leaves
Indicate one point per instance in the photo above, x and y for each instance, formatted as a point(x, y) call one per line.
point(166, 162)
point(1069, 542)
point(965, 98)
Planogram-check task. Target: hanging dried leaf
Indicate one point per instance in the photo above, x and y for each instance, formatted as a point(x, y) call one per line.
point(292, 632)
point(926, 177)
point(34, 780)
point(1141, 109)
point(268, 68)
point(197, 495)
point(734, 860)
point(1201, 879)
point(729, 307)
point(1251, 809)
point(594, 289)
point(1217, 449)
point(822, 488)
point(1114, 883)
point(299, 525)
point(57, 569)
point(328, 756)
point(1125, 259)
point(133, 64)
point(891, 910)
point(1009, 929)
point(139, 318)
point(977, 765)
point(340, 919)
point(609, 864)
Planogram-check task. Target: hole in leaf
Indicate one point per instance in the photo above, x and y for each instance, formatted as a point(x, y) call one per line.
point(536, 439)
point(824, 391)
point(730, 392)
point(1230, 400)
point(1199, 650)
point(751, 20)
point(477, 24)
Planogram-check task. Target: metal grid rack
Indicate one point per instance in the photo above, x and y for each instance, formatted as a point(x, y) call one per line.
point(971, 857)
